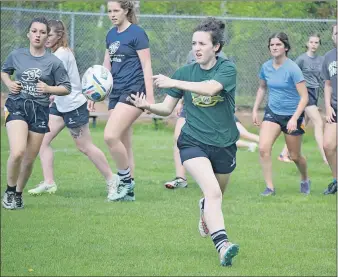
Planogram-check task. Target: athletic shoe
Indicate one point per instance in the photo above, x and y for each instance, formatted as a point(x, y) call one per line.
point(331, 189)
point(112, 186)
point(227, 253)
point(130, 195)
point(202, 226)
point(18, 201)
point(305, 187)
point(252, 146)
point(43, 188)
point(122, 190)
point(268, 192)
point(178, 182)
point(8, 200)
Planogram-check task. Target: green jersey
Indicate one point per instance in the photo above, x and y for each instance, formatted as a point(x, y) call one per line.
point(209, 119)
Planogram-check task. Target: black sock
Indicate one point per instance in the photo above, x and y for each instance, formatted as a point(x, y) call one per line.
point(18, 193)
point(12, 189)
point(219, 237)
point(203, 203)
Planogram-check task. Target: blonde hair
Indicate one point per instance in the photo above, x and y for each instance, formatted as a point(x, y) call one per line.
point(59, 28)
point(127, 5)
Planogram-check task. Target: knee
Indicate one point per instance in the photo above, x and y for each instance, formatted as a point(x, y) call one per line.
point(329, 146)
point(295, 157)
point(17, 155)
point(111, 139)
point(264, 152)
point(214, 195)
point(83, 148)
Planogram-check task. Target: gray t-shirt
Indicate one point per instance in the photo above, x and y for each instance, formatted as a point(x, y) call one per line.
point(29, 69)
point(329, 72)
point(191, 56)
point(311, 68)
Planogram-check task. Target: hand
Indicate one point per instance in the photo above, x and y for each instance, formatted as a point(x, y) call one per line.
point(179, 108)
point(329, 115)
point(42, 87)
point(162, 81)
point(14, 87)
point(139, 100)
point(51, 100)
point(255, 119)
point(292, 125)
point(90, 106)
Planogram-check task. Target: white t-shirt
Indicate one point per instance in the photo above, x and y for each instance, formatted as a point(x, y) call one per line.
point(75, 99)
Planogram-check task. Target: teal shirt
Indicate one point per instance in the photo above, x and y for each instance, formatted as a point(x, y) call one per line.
point(209, 119)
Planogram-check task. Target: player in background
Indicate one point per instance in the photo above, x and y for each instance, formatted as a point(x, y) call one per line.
point(284, 112)
point(38, 74)
point(329, 73)
point(68, 111)
point(207, 142)
point(311, 65)
point(128, 58)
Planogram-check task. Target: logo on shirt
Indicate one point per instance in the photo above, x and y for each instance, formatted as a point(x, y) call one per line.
point(31, 74)
point(206, 101)
point(71, 121)
point(333, 68)
point(42, 125)
point(113, 47)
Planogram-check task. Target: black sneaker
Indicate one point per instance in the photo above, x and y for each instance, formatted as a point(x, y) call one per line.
point(8, 200)
point(331, 189)
point(18, 202)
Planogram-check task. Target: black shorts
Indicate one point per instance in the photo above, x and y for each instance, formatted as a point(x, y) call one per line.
point(282, 121)
point(35, 115)
point(335, 116)
point(313, 96)
point(122, 98)
point(223, 159)
point(72, 119)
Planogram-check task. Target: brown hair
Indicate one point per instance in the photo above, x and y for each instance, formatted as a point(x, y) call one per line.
point(127, 5)
point(59, 28)
point(314, 35)
point(283, 38)
point(42, 20)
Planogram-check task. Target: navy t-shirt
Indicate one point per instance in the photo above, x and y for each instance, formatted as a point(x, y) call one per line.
point(126, 66)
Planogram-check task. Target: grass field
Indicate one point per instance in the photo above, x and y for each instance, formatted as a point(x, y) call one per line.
point(75, 232)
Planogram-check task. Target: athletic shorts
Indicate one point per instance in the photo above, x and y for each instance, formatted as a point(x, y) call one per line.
point(122, 98)
point(313, 96)
point(223, 159)
point(35, 115)
point(335, 116)
point(282, 121)
point(182, 113)
point(72, 119)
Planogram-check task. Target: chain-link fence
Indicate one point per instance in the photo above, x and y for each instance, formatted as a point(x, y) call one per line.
point(170, 40)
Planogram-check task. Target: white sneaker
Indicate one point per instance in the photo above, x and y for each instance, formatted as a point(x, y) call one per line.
point(112, 186)
point(227, 253)
point(202, 226)
point(43, 188)
point(252, 146)
point(178, 182)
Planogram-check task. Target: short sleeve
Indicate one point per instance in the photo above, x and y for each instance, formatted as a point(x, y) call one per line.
point(8, 66)
point(297, 75)
point(174, 92)
point(61, 77)
point(226, 75)
point(300, 61)
point(262, 74)
point(141, 40)
point(325, 71)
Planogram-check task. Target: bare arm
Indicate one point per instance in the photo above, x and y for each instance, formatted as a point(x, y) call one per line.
point(260, 94)
point(145, 58)
point(106, 61)
point(206, 88)
point(304, 99)
point(56, 90)
point(327, 94)
point(165, 108)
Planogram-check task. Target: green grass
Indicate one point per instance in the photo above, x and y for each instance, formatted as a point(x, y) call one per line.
point(75, 232)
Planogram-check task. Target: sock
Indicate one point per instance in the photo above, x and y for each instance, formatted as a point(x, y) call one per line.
point(18, 193)
point(203, 203)
point(12, 189)
point(124, 175)
point(219, 237)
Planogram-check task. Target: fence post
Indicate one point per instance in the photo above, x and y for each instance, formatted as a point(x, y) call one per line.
point(72, 32)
